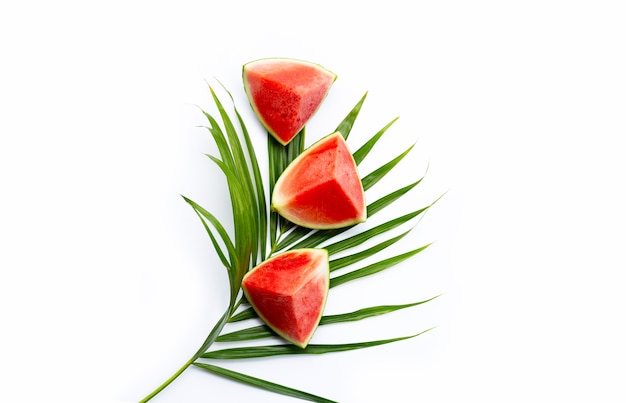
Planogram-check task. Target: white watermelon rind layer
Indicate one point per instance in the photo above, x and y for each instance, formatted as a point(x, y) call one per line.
point(322, 268)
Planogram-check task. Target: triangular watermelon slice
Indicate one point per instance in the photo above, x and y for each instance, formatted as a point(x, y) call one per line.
point(285, 93)
point(289, 292)
point(321, 188)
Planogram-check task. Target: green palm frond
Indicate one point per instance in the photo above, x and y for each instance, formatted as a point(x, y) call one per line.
point(289, 349)
point(262, 384)
point(241, 250)
point(262, 331)
point(258, 233)
point(345, 127)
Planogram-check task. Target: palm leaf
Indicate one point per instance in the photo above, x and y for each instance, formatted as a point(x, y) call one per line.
point(369, 312)
point(360, 154)
point(371, 179)
point(251, 333)
point(258, 232)
point(298, 232)
point(290, 349)
point(244, 246)
point(385, 201)
point(276, 165)
point(279, 158)
point(352, 275)
point(261, 207)
point(220, 140)
point(206, 216)
point(345, 127)
point(345, 261)
point(262, 384)
point(375, 267)
point(247, 313)
point(364, 236)
point(312, 238)
point(216, 246)
point(262, 331)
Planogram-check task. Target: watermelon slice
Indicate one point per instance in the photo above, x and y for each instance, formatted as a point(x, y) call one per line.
point(285, 93)
point(289, 292)
point(321, 188)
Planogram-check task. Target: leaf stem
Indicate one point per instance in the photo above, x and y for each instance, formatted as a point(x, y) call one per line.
point(275, 243)
point(168, 381)
point(217, 329)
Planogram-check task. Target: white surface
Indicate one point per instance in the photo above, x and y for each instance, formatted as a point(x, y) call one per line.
point(108, 280)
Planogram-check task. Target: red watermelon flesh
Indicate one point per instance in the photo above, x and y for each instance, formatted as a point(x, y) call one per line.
point(285, 93)
point(289, 291)
point(321, 188)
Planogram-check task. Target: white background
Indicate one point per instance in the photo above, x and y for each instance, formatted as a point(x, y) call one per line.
point(108, 281)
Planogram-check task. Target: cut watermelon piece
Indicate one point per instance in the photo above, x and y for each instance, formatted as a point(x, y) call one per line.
point(289, 292)
point(321, 188)
point(285, 93)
